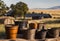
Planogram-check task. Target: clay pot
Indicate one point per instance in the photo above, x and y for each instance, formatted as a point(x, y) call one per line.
point(11, 31)
point(33, 25)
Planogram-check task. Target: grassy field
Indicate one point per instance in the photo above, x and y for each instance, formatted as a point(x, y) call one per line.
point(44, 11)
point(53, 13)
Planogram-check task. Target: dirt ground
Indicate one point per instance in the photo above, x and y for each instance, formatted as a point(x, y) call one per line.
point(18, 39)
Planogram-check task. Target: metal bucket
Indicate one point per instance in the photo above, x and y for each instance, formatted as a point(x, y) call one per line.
point(21, 25)
point(59, 31)
point(31, 34)
point(53, 33)
point(41, 34)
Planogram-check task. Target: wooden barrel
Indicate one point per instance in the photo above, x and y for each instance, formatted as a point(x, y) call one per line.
point(11, 31)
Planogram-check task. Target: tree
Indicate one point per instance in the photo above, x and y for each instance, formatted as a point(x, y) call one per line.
point(3, 8)
point(19, 9)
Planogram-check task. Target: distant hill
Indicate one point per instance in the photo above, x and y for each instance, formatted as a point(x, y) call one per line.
point(55, 7)
point(53, 10)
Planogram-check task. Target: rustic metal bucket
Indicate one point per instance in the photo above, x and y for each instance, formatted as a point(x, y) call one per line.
point(29, 34)
point(22, 24)
point(59, 31)
point(55, 32)
point(41, 34)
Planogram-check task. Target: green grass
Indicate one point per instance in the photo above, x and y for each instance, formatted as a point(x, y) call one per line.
point(2, 28)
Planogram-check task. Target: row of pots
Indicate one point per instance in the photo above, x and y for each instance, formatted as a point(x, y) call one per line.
point(11, 32)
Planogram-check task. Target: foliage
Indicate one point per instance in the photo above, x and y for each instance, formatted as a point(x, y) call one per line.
point(20, 9)
point(3, 8)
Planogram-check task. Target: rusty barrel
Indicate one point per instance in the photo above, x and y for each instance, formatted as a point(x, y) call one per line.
point(11, 31)
point(55, 32)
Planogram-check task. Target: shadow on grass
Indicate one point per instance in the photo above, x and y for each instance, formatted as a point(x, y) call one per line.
point(2, 35)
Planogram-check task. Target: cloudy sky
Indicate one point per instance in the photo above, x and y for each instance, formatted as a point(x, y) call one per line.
point(35, 3)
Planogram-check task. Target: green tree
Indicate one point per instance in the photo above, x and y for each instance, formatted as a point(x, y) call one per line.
point(19, 9)
point(3, 8)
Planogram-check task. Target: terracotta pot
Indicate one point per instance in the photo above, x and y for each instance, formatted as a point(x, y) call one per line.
point(33, 25)
point(11, 31)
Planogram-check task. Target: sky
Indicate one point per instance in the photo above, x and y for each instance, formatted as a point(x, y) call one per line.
point(35, 3)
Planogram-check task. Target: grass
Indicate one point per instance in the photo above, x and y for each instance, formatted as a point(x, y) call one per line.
point(2, 28)
point(56, 25)
point(45, 11)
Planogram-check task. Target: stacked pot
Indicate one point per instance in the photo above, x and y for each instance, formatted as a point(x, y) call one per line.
point(11, 28)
